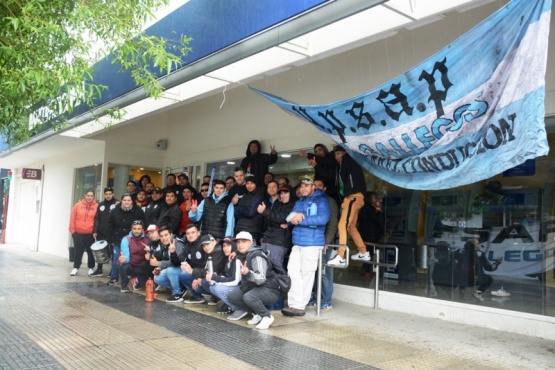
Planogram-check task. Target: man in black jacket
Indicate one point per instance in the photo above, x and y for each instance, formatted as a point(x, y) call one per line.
point(256, 163)
point(246, 214)
point(100, 231)
point(352, 187)
point(325, 168)
point(214, 255)
point(154, 208)
point(171, 215)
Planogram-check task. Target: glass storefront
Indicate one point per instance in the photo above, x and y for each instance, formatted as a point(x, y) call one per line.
point(441, 235)
point(87, 178)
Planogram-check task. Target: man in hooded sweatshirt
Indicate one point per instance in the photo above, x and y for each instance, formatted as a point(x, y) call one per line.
point(256, 163)
point(325, 168)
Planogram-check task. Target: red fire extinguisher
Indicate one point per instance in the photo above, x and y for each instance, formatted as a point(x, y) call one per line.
point(149, 290)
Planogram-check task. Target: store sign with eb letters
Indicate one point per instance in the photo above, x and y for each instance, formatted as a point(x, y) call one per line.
point(31, 174)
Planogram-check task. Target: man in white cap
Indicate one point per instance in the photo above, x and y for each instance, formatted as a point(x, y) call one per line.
point(258, 288)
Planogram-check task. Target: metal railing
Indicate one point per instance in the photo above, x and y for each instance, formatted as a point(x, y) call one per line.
point(376, 248)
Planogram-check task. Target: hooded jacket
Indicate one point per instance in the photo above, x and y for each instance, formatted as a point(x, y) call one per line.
point(247, 217)
point(82, 217)
point(326, 169)
point(257, 165)
point(274, 218)
point(311, 230)
point(351, 175)
point(119, 222)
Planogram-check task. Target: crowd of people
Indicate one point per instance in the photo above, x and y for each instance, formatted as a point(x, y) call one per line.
point(224, 244)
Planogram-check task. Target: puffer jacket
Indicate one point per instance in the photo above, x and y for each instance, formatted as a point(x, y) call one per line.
point(311, 230)
point(82, 217)
point(119, 222)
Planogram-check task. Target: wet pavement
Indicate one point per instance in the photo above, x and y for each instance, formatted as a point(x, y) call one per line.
point(50, 320)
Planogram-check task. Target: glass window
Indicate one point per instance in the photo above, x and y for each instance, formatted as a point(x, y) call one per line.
point(490, 243)
point(87, 178)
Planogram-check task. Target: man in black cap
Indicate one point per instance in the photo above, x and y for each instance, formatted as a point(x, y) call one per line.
point(100, 231)
point(154, 208)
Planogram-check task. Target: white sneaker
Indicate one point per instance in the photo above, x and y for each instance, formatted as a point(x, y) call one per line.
point(336, 261)
point(361, 257)
point(91, 271)
point(255, 320)
point(478, 296)
point(501, 293)
point(73, 272)
point(265, 322)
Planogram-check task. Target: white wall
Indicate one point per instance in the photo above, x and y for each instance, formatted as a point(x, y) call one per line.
point(202, 132)
point(57, 194)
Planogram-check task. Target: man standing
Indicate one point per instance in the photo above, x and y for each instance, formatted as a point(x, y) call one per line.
point(132, 256)
point(331, 231)
point(100, 231)
point(171, 215)
point(256, 163)
point(170, 185)
point(310, 215)
point(246, 211)
point(258, 287)
point(154, 208)
point(183, 181)
point(215, 212)
point(132, 189)
point(352, 186)
point(325, 168)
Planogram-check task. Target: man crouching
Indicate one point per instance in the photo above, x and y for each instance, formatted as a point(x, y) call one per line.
point(258, 288)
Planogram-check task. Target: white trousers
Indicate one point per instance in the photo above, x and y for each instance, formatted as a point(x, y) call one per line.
point(303, 262)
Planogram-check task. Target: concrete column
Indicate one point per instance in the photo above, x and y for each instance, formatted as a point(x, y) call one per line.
point(121, 176)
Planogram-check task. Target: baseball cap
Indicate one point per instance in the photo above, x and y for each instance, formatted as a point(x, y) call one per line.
point(227, 239)
point(284, 189)
point(108, 188)
point(307, 180)
point(243, 235)
point(251, 179)
point(206, 239)
point(183, 175)
point(157, 190)
point(151, 228)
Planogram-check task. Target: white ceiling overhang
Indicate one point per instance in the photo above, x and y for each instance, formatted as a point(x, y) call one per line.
point(362, 28)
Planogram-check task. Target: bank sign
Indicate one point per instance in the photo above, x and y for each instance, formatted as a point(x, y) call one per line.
point(31, 174)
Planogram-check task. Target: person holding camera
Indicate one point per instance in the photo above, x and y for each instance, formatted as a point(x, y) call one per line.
point(325, 167)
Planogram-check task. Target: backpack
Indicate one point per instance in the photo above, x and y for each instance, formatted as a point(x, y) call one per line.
point(280, 276)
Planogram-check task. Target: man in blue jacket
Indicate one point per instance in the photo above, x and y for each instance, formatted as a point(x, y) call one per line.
point(309, 217)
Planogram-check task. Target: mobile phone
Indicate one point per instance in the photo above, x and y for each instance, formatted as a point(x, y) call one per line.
point(310, 155)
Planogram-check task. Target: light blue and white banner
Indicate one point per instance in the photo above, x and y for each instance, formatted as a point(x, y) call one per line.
point(469, 112)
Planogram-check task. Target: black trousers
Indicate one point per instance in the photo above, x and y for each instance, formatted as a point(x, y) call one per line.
point(126, 270)
point(82, 243)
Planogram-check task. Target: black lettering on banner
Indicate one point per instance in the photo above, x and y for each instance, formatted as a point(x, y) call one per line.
point(507, 128)
point(339, 128)
point(360, 114)
point(437, 96)
point(302, 112)
point(399, 98)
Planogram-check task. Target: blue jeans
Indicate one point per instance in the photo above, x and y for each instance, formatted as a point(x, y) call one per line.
point(169, 278)
point(114, 273)
point(221, 291)
point(186, 280)
point(327, 281)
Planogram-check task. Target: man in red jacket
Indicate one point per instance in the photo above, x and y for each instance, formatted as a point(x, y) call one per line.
point(81, 225)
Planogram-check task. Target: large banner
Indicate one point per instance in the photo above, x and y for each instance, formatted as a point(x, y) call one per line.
point(469, 112)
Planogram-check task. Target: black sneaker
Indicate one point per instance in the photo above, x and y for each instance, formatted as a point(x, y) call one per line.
point(174, 299)
point(213, 301)
point(195, 300)
point(97, 273)
point(224, 310)
point(112, 282)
